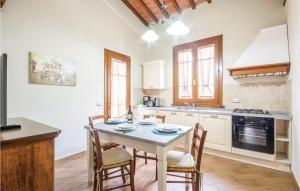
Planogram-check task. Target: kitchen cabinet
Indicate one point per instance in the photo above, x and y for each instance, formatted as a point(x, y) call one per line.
point(190, 119)
point(154, 75)
point(174, 118)
point(180, 118)
point(218, 126)
point(218, 131)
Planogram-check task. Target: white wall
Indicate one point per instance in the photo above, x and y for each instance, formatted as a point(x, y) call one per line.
point(73, 29)
point(240, 21)
point(293, 12)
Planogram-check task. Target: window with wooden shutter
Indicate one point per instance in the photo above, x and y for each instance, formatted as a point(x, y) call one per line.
point(198, 72)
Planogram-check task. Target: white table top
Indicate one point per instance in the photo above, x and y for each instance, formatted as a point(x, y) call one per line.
point(144, 133)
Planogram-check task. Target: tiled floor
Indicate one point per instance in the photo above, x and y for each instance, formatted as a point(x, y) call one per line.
point(219, 175)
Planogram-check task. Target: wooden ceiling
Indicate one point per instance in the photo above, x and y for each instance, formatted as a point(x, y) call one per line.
point(150, 11)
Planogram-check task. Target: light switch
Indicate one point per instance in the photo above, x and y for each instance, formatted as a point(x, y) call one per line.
point(236, 100)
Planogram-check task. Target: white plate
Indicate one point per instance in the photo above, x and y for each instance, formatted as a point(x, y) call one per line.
point(146, 122)
point(167, 128)
point(116, 120)
point(125, 127)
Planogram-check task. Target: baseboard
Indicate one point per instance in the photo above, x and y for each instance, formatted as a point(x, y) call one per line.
point(250, 160)
point(72, 156)
point(295, 182)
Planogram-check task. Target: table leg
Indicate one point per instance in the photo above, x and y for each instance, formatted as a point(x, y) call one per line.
point(90, 160)
point(187, 149)
point(162, 169)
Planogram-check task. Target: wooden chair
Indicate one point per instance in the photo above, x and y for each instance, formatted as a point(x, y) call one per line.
point(188, 163)
point(162, 119)
point(105, 145)
point(110, 159)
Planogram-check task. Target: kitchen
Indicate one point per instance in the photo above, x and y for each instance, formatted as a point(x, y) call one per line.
point(233, 71)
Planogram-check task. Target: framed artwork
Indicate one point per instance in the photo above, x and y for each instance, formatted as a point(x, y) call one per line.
point(49, 70)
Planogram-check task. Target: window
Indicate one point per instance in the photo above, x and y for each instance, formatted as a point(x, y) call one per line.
point(198, 72)
point(117, 84)
point(118, 87)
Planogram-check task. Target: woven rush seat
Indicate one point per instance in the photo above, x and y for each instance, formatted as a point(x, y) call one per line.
point(115, 157)
point(180, 161)
point(188, 163)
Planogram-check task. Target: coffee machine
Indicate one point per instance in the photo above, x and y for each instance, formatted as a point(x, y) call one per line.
point(145, 100)
point(156, 102)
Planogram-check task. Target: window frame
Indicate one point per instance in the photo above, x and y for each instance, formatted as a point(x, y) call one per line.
point(217, 101)
point(108, 56)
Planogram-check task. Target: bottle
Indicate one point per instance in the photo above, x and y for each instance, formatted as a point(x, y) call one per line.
point(130, 115)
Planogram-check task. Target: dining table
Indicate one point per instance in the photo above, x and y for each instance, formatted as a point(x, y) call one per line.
point(145, 138)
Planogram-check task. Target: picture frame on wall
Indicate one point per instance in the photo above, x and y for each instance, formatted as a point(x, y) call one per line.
point(50, 70)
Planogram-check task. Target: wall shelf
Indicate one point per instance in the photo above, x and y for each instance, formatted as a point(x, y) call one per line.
point(269, 69)
point(282, 158)
point(283, 141)
point(282, 138)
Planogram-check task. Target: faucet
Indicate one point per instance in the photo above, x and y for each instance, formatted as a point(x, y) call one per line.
point(189, 105)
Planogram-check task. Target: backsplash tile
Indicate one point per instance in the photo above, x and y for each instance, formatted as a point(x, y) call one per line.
point(273, 96)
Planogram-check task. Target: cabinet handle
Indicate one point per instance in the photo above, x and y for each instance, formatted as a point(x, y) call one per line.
point(173, 113)
point(214, 116)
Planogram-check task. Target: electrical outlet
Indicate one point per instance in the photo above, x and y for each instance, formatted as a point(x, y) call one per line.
point(236, 100)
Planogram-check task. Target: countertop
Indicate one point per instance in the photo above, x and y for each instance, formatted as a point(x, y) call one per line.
point(30, 131)
point(221, 111)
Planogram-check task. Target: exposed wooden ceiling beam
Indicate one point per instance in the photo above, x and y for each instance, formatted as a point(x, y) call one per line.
point(149, 11)
point(2, 3)
point(208, 1)
point(178, 9)
point(284, 3)
point(159, 5)
point(193, 4)
point(136, 13)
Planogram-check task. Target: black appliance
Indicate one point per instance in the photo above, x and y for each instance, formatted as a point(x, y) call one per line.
point(150, 103)
point(253, 133)
point(3, 95)
point(156, 102)
point(3, 90)
point(146, 99)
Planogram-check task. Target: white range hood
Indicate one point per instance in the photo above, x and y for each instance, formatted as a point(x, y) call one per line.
point(267, 55)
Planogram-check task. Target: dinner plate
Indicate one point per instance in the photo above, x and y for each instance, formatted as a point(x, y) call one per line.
point(155, 131)
point(115, 121)
point(167, 128)
point(125, 127)
point(146, 122)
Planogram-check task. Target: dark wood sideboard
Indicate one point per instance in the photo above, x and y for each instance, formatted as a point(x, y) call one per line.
point(27, 156)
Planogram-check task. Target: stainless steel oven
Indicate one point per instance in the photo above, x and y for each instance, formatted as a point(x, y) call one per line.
point(253, 133)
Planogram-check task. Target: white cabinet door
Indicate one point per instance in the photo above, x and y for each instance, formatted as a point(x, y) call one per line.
point(154, 75)
point(218, 131)
point(190, 119)
point(150, 81)
point(174, 118)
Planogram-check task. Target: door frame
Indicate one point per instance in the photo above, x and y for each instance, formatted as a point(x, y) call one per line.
point(108, 54)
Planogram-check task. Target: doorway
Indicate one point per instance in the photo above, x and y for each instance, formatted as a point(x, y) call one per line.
point(116, 84)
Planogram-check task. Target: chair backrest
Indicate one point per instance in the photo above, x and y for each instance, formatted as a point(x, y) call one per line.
point(98, 163)
point(162, 118)
point(198, 144)
point(96, 119)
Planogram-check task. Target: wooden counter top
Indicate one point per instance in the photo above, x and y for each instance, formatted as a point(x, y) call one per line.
point(30, 131)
